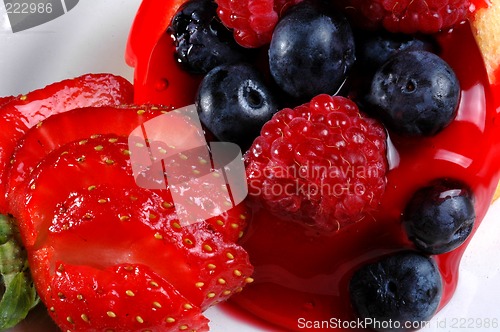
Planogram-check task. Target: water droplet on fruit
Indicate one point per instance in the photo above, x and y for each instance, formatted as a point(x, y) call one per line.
point(161, 84)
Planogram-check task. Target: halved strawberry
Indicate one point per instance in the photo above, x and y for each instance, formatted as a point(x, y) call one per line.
point(25, 111)
point(86, 221)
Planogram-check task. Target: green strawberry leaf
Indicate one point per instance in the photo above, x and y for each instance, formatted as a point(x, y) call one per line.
point(19, 295)
point(19, 298)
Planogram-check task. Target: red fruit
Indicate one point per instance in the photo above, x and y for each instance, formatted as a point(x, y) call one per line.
point(321, 277)
point(78, 124)
point(408, 16)
point(84, 220)
point(25, 111)
point(120, 298)
point(322, 163)
point(231, 224)
point(5, 100)
point(253, 21)
point(76, 165)
point(144, 227)
point(158, 79)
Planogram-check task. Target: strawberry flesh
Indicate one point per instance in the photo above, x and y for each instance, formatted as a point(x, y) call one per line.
point(5, 100)
point(79, 124)
point(25, 111)
point(86, 222)
point(124, 297)
point(80, 164)
point(135, 222)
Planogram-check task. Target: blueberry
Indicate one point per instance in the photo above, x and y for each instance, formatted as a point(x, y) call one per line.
point(416, 93)
point(201, 40)
point(440, 217)
point(234, 103)
point(404, 288)
point(311, 51)
point(373, 49)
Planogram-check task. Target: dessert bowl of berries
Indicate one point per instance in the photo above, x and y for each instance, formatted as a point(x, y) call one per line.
point(369, 142)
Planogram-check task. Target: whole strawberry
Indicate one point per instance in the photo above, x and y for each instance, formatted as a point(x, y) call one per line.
point(322, 163)
point(408, 16)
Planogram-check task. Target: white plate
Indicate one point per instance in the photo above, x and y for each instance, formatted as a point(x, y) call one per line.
point(91, 38)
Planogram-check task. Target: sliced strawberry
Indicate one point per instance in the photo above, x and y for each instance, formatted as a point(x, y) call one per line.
point(81, 124)
point(82, 207)
point(198, 184)
point(231, 224)
point(126, 297)
point(85, 222)
point(78, 124)
point(25, 111)
point(137, 225)
point(69, 191)
point(5, 100)
point(80, 164)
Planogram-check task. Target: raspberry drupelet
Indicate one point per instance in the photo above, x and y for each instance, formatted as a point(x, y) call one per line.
point(322, 163)
point(408, 16)
point(253, 21)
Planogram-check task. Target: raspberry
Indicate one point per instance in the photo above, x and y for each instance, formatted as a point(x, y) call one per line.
point(409, 16)
point(253, 21)
point(322, 163)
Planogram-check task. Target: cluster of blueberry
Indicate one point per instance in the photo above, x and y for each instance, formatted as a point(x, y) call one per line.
point(407, 287)
point(313, 50)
